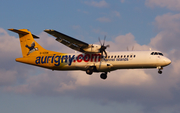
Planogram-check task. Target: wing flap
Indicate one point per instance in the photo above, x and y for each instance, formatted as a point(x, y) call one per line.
point(67, 43)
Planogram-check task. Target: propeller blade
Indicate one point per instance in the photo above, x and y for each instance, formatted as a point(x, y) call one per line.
point(100, 41)
point(103, 48)
point(104, 40)
point(107, 45)
point(105, 53)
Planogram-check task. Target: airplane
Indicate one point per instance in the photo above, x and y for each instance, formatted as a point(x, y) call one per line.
point(91, 57)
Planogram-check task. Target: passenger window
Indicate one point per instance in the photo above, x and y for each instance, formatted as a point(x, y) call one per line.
point(108, 56)
point(127, 55)
point(114, 56)
point(118, 56)
point(131, 56)
point(121, 56)
point(134, 55)
point(124, 56)
point(111, 56)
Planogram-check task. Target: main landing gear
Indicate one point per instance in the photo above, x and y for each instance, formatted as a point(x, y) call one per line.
point(159, 69)
point(89, 71)
point(103, 75)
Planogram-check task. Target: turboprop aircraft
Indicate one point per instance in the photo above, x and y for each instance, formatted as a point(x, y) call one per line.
point(92, 57)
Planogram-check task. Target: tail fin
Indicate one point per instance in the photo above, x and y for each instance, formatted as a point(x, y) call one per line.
point(29, 46)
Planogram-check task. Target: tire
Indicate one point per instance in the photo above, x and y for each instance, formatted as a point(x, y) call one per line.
point(160, 72)
point(103, 76)
point(89, 71)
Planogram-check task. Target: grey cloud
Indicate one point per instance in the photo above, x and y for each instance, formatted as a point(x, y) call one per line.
point(99, 4)
point(168, 36)
point(103, 19)
point(169, 4)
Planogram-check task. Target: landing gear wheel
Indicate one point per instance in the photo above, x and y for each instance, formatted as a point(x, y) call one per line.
point(159, 69)
point(103, 76)
point(160, 72)
point(89, 71)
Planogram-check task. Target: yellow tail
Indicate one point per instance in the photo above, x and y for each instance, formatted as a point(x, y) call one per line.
point(29, 46)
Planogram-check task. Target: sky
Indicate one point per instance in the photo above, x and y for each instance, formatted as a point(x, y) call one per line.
point(142, 24)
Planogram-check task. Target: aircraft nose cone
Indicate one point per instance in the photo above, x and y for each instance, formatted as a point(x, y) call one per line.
point(168, 61)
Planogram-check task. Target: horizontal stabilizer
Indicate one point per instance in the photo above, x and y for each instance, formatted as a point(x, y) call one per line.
point(19, 31)
point(23, 32)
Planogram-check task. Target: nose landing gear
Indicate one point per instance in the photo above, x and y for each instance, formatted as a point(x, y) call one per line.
point(160, 72)
point(159, 69)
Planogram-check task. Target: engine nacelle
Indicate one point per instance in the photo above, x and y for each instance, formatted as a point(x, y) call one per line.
point(92, 48)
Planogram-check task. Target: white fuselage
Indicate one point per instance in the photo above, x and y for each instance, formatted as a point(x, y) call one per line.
point(116, 60)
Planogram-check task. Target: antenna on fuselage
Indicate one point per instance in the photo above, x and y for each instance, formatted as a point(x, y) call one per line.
point(132, 48)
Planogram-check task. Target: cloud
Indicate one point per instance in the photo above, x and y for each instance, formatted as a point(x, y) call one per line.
point(99, 31)
point(168, 26)
point(81, 11)
point(169, 21)
point(111, 16)
point(103, 19)
point(6, 44)
point(122, 42)
point(7, 77)
point(170, 4)
point(99, 4)
point(122, 1)
point(116, 13)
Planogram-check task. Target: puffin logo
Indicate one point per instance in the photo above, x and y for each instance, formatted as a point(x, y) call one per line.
point(32, 48)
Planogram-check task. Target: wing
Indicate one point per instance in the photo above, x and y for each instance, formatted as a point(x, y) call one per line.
point(68, 41)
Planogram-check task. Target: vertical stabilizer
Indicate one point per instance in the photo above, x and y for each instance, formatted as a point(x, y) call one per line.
point(29, 46)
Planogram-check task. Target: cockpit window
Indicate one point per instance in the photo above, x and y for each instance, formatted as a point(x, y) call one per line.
point(161, 54)
point(156, 53)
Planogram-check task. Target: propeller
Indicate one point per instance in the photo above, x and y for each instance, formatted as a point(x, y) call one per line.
point(103, 48)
